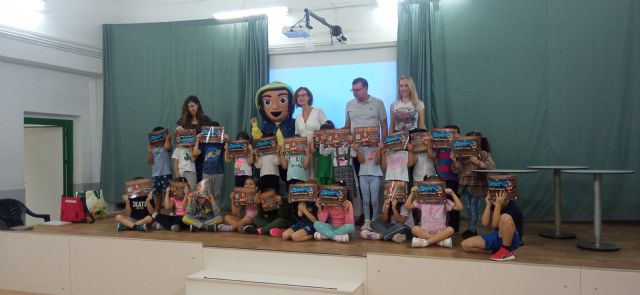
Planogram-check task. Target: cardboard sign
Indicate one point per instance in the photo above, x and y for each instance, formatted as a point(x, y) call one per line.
point(367, 136)
point(238, 148)
point(138, 188)
point(498, 183)
point(395, 189)
point(186, 138)
point(178, 189)
point(243, 196)
point(295, 145)
point(266, 145)
point(157, 138)
point(318, 137)
point(431, 192)
point(396, 141)
point(332, 195)
point(466, 146)
point(211, 134)
point(417, 140)
point(337, 137)
point(303, 192)
point(442, 138)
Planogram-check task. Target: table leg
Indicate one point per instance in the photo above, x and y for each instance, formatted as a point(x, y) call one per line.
point(598, 245)
point(557, 234)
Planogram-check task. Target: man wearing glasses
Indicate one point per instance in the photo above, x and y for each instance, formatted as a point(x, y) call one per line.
point(365, 110)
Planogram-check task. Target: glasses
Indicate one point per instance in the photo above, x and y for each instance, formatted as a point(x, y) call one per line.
point(302, 95)
point(356, 90)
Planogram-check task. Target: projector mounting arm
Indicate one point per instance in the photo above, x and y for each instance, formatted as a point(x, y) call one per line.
point(336, 31)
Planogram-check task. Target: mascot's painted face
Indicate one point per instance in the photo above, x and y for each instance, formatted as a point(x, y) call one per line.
point(276, 104)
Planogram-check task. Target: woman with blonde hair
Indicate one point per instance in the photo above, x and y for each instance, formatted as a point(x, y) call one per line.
point(407, 112)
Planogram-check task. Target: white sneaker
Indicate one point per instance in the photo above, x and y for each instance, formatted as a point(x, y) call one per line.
point(448, 243)
point(399, 238)
point(367, 225)
point(157, 226)
point(419, 243)
point(319, 236)
point(370, 235)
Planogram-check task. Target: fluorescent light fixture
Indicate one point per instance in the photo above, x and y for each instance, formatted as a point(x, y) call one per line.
point(23, 14)
point(269, 11)
point(22, 5)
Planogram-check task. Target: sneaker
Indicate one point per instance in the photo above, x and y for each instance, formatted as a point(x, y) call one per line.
point(141, 227)
point(419, 243)
point(211, 227)
point(503, 255)
point(193, 228)
point(277, 232)
point(469, 233)
point(318, 236)
point(447, 243)
point(175, 228)
point(399, 238)
point(241, 229)
point(157, 226)
point(367, 225)
point(224, 227)
point(341, 238)
point(250, 229)
point(120, 227)
point(370, 235)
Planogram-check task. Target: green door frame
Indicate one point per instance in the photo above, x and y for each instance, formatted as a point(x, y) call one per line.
point(67, 147)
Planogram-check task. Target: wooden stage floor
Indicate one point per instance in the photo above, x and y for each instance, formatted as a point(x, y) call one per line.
point(537, 250)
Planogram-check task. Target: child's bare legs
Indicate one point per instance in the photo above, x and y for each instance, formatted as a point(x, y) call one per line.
point(432, 238)
point(287, 234)
point(301, 235)
point(232, 220)
point(125, 220)
point(507, 228)
point(474, 244)
point(147, 220)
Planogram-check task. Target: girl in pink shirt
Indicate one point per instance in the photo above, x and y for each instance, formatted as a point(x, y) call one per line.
point(174, 204)
point(240, 216)
point(334, 222)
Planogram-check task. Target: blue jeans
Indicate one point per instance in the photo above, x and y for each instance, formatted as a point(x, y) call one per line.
point(370, 188)
point(471, 205)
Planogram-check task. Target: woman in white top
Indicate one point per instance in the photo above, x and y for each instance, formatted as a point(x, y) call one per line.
point(407, 112)
point(309, 120)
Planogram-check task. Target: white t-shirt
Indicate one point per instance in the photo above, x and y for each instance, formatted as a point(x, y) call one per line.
point(406, 213)
point(268, 164)
point(241, 167)
point(183, 155)
point(423, 167)
point(341, 155)
point(406, 115)
point(370, 167)
point(397, 165)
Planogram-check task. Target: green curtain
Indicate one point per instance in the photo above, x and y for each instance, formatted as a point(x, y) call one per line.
point(151, 68)
point(548, 82)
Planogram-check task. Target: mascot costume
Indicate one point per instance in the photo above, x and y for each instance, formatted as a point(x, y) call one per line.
point(275, 104)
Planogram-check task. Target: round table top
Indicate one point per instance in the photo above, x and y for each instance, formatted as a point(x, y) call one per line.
point(593, 171)
point(505, 171)
point(558, 167)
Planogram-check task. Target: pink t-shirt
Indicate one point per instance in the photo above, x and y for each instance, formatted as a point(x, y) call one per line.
point(177, 203)
point(250, 211)
point(338, 215)
point(434, 216)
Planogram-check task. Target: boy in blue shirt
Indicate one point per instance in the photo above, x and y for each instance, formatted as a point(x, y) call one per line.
point(213, 164)
point(160, 160)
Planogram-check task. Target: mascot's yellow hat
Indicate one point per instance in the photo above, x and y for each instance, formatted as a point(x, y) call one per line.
point(276, 85)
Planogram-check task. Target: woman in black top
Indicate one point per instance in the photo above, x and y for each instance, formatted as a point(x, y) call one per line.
point(192, 117)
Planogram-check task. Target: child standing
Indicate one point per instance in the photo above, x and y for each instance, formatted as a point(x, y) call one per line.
point(423, 160)
point(137, 211)
point(433, 227)
point(370, 179)
point(213, 163)
point(335, 222)
point(242, 165)
point(506, 219)
point(176, 205)
point(296, 165)
point(202, 211)
point(240, 216)
point(324, 168)
point(473, 185)
point(160, 160)
point(443, 167)
point(184, 166)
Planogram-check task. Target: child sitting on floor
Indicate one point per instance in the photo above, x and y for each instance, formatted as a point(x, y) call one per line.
point(202, 211)
point(137, 211)
point(240, 216)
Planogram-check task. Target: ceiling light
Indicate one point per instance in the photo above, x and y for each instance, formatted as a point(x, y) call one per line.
point(269, 11)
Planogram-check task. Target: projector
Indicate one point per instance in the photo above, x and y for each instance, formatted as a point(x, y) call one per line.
point(295, 32)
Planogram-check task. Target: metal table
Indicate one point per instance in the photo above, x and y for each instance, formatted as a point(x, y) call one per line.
point(598, 245)
point(557, 233)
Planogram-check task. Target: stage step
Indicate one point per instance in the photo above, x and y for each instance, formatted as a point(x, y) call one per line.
point(209, 281)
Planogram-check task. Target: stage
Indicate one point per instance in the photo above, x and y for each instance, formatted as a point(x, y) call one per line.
point(96, 259)
point(537, 250)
